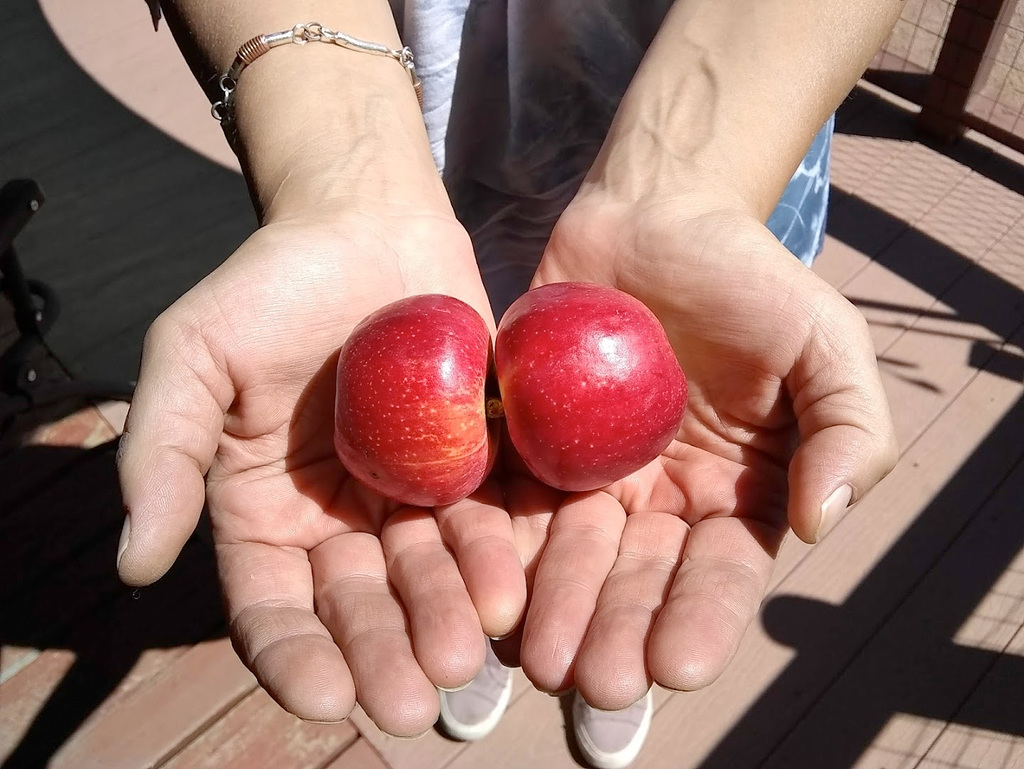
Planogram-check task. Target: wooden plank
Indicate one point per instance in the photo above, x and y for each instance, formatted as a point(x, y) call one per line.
point(860, 101)
point(114, 413)
point(964, 748)
point(101, 660)
point(898, 195)
point(1000, 691)
point(25, 695)
point(857, 155)
point(65, 424)
point(14, 658)
point(28, 692)
point(909, 277)
point(85, 428)
point(838, 263)
point(360, 755)
point(901, 743)
point(257, 732)
point(975, 214)
point(922, 660)
point(929, 362)
point(154, 721)
point(43, 602)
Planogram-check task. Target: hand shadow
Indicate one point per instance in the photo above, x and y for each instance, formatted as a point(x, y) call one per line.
point(62, 597)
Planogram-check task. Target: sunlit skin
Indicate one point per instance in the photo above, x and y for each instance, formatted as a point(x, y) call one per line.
point(656, 577)
point(333, 591)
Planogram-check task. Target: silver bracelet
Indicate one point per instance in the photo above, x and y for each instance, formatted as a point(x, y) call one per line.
point(300, 34)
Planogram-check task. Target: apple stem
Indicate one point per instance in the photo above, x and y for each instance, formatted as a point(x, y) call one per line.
point(495, 408)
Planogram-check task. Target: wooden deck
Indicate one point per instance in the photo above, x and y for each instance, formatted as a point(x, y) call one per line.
point(896, 643)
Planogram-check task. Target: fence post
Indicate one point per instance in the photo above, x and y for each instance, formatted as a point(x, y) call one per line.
point(972, 31)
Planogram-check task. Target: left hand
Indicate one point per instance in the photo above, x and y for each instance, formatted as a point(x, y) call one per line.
point(656, 577)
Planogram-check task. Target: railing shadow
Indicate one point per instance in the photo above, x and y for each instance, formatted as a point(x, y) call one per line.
point(865, 114)
point(907, 659)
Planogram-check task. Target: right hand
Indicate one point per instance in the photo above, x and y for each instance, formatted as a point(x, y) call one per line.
point(334, 594)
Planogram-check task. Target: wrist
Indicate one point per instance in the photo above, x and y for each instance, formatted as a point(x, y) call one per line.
point(636, 175)
point(665, 144)
point(318, 126)
point(731, 94)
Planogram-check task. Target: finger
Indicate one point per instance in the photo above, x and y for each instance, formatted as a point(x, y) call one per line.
point(532, 507)
point(581, 550)
point(848, 442)
point(446, 634)
point(715, 594)
point(479, 532)
point(169, 442)
point(611, 671)
point(269, 597)
point(355, 602)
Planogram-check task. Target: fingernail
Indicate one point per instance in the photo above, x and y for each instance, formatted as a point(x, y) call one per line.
point(411, 737)
point(457, 688)
point(832, 510)
point(122, 545)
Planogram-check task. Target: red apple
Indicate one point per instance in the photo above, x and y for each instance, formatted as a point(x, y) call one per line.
point(591, 387)
point(410, 416)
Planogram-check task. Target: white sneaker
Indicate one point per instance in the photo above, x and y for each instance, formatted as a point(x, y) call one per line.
point(611, 739)
point(472, 712)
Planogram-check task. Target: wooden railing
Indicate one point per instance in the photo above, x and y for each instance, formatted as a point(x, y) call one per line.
point(963, 63)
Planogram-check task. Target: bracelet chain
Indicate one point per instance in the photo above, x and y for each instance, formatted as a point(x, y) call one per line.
point(300, 34)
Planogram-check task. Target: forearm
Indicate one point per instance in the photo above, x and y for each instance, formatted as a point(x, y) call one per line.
point(315, 125)
point(732, 92)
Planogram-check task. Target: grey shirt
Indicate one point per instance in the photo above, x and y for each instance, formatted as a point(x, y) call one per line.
point(518, 97)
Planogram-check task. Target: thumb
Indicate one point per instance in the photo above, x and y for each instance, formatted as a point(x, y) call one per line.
point(847, 439)
point(170, 438)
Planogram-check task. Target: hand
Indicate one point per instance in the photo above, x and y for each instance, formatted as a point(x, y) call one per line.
point(333, 593)
point(656, 577)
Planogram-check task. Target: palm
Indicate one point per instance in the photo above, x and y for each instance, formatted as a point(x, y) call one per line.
point(671, 563)
point(333, 592)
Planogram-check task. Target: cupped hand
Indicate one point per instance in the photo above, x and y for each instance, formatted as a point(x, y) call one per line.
point(656, 577)
point(334, 594)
